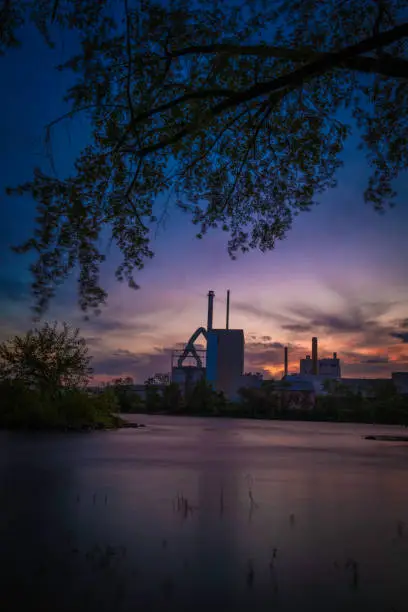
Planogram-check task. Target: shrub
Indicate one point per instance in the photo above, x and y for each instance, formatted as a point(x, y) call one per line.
point(25, 408)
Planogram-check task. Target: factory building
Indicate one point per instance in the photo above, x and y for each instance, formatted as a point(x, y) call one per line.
point(314, 372)
point(225, 360)
point(221, 364)
point(325, 368)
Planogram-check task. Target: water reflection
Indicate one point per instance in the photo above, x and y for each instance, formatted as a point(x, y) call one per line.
point(193, 513)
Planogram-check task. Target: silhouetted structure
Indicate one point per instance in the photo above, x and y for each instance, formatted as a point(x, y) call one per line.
point(222, 364)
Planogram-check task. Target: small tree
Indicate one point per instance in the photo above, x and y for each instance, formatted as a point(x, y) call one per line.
point(47, 359)
point(128, 399)
point(204, 399)
point(263, 401)
point(172, 398)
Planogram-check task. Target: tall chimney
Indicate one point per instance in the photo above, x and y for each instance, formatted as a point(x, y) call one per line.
point(210, 310)
point(314, 356)
point(286, 361)
point(228, 307)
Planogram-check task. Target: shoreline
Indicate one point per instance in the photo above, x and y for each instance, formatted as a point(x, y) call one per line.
point(386, 438)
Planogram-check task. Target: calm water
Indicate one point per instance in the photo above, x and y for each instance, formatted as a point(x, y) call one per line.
point(288, 516)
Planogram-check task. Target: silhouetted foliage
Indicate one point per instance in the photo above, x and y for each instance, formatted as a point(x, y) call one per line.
point(47, 358)
point(203, 399)
point(43, 376)
point(153, 399)
point(24, 407)
point(172, 398)
point(273, 400)
point(231, 109)
point(262, 402)
point(128, 400)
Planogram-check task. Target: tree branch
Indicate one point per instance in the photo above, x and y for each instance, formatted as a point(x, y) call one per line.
point(252, 143)
point(194, 95)
point(287, 82)
point(81, 109)
point(387, 65)
point(129, 61)
point(232, 49)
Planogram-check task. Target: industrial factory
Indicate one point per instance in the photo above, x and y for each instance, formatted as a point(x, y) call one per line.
point(313, 372)
point(221, 363)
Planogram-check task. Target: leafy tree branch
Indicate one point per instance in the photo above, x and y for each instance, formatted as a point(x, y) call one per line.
point(236, 110)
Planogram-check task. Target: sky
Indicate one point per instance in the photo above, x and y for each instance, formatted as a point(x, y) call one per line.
point(341, 274)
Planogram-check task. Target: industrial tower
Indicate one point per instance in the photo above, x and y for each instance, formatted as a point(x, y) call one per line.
point(224, 356)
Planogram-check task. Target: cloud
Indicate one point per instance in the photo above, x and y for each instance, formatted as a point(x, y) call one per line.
point(372, 370)
point(250, 346)
point(358, 326)
point(350, 321)
point(353, 318)
point(297, 327)
point(375, 360)
point(137, 365)
point(267, 357)
point(102, 324)
point(403, 336)
point(253, 310)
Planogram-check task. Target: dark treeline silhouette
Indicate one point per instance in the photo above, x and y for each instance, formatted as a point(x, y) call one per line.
point(270, 401)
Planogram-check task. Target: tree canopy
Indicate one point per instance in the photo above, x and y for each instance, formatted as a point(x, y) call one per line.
point(232, 109)
point(47, 358)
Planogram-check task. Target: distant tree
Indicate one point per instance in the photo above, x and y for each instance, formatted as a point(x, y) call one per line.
point(264, 401)
point(128, 399)
point(153, 398)
point(49, 358)
point(172, 398)
point(233, 109)
point(203, 399)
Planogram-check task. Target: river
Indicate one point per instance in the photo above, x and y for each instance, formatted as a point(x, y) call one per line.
point(200, 514)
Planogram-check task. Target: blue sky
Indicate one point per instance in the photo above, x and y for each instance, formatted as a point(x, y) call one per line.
point(341, 274)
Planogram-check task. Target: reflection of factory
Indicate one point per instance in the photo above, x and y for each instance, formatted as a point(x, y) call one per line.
point(222, 363)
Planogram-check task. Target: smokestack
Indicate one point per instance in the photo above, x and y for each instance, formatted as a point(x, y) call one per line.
point(286, 361)
point(334, 355)
point(314, 356)
point(228, 307)
point(210, 310)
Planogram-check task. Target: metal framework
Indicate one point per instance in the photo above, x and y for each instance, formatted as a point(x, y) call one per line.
point(191, 349)
point(184, 356)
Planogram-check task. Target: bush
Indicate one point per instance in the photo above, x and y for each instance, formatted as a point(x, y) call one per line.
point(25, 408)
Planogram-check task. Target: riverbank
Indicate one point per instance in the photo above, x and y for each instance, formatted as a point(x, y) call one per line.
point(116, 423)
point(288, 416)
point(26, 409)
point(387, 438)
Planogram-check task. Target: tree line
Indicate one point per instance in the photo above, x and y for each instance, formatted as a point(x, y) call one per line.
point(272, 400)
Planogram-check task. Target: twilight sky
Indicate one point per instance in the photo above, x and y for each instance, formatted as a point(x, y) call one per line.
point(342, 273)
